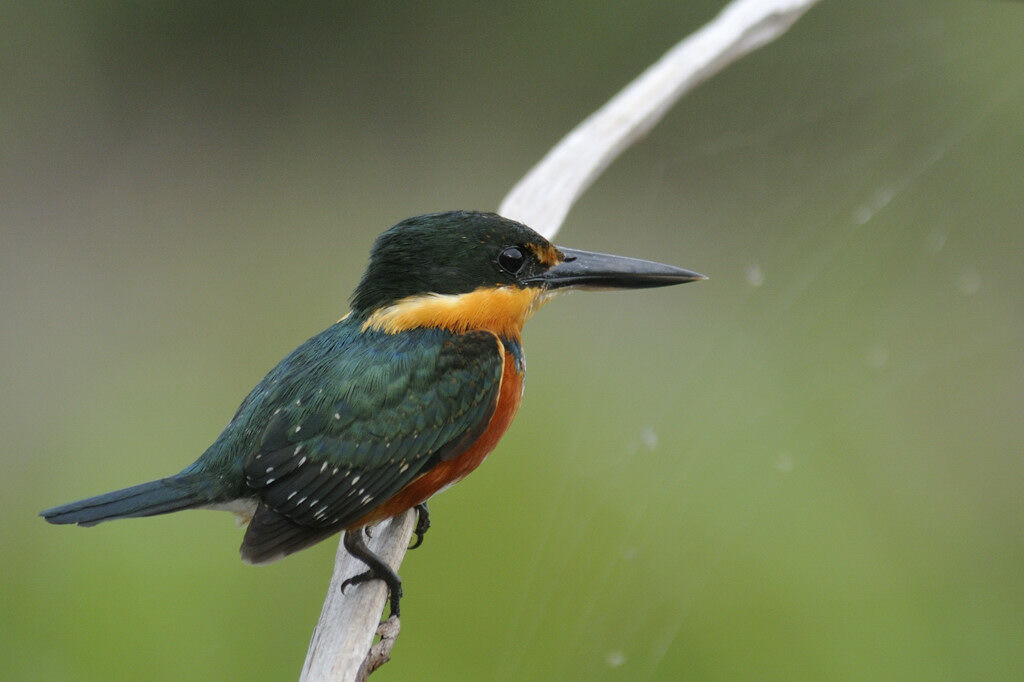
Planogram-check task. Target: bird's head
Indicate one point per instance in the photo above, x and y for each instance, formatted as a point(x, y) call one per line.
point(465, 270)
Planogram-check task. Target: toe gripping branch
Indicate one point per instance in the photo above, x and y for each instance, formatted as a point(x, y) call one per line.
point(378, 569)
point(422, 523)
point(356, 546)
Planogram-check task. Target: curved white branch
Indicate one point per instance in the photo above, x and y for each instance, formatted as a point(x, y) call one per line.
point(544, 196)
point(348, 622)
point(541, 200)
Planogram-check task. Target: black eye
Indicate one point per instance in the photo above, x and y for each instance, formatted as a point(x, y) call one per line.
point(511, 260)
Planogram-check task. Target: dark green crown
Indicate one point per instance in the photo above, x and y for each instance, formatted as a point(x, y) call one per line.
point(447, 253)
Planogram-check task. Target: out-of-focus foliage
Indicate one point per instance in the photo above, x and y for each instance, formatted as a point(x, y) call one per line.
point(807, 468)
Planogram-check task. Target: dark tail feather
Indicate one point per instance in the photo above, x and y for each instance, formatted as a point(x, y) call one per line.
point(271, 536)
point(148, 499)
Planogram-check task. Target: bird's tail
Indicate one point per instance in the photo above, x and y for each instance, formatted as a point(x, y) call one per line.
point(147, 499)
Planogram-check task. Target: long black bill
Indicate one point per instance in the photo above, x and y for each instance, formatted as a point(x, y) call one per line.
point(603, 271)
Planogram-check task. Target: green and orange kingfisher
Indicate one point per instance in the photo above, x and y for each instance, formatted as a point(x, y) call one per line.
point(400, 399)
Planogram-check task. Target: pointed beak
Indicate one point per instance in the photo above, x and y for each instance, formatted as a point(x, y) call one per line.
point(603, 271)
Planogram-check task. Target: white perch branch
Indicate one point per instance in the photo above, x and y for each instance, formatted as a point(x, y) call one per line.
point(348, 623)
point(544, 196)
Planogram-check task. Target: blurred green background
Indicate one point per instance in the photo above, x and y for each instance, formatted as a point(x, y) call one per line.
point(807, 468)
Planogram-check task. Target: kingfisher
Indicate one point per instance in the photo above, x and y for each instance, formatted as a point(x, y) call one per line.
point(398, 400)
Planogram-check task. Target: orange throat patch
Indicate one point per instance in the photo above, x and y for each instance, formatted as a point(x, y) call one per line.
point(501, 310)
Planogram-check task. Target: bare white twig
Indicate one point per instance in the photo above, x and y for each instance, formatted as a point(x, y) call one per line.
point(348, 622)
point(544, 196)
point(343, 636)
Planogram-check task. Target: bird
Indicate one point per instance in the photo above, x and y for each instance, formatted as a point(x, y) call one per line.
point(400, 399)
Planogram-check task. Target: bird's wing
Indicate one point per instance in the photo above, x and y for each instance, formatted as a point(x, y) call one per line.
point(364, 431)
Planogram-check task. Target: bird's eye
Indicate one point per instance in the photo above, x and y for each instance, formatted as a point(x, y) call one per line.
point(511, 259)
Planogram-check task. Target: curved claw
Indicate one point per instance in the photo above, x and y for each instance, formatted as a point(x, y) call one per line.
point(357, 579)
point(422, 524)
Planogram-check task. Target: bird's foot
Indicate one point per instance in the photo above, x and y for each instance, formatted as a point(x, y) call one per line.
point(356, 546)
point(356, 579)
point(422, 523)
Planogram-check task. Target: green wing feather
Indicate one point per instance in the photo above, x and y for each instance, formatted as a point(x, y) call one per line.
point(351, 427)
